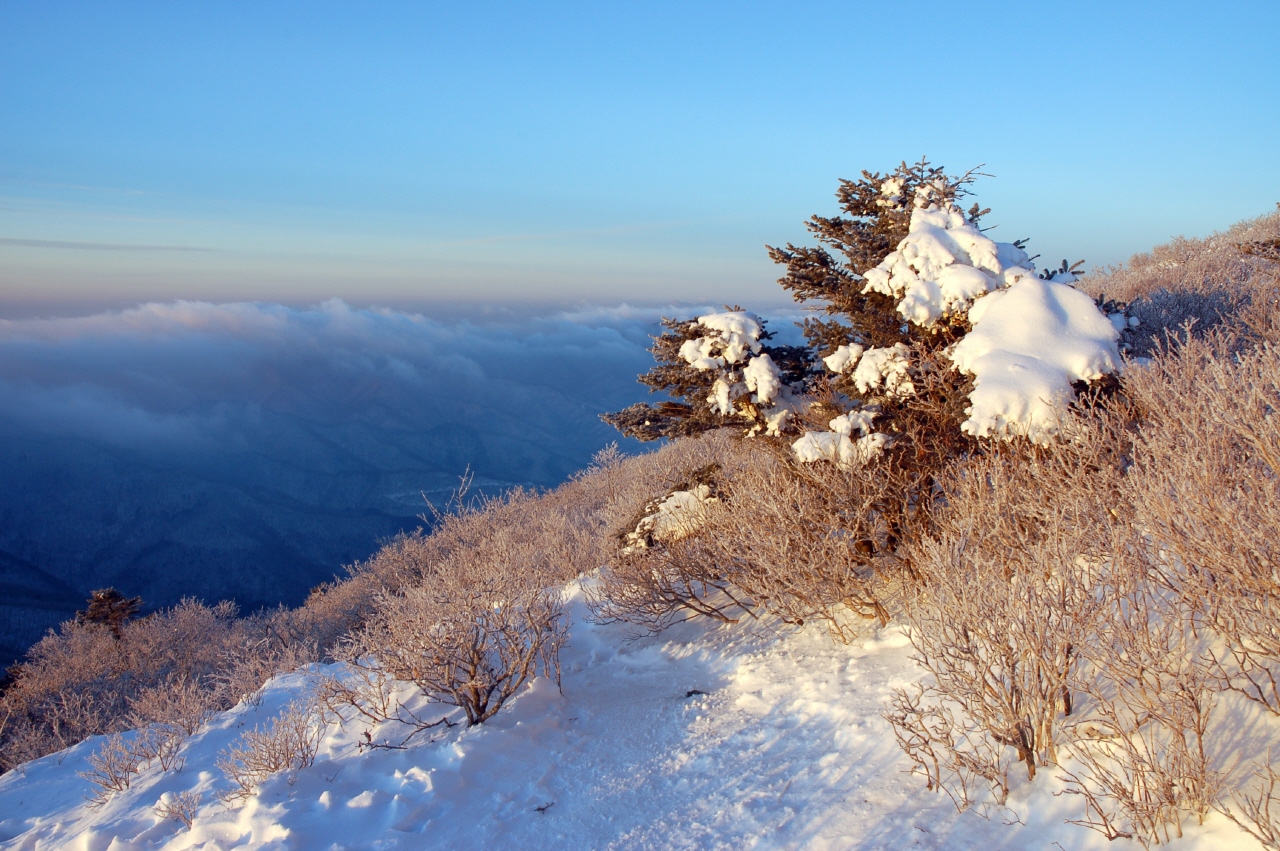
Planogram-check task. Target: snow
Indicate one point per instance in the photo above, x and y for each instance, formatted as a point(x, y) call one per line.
point(839, 448)
point(737, 332)
point(703, 737)
point(859, 419)
point(843, 358)
point(763, 378)
point(677, 515)
point(943, 264)
point(887, 368)
point(1028, 344)
point(720, 397)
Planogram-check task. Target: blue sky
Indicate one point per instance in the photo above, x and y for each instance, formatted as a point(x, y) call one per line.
point(420, 153)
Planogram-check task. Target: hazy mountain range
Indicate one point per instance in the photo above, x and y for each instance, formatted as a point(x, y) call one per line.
point(249, 451)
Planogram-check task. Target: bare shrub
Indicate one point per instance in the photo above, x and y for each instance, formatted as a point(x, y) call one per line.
point(1206, 484)
point(807, 542)
point(471, 639)
point(250, 664)
point(661, 567)
point(160, 743)
point(955, 754)
point(179, 702)
point(652, 589)
point(287, 743)
point(366, 692)
point(1013, 575)
point(180, 807)
point(1143, 754)
point(112, 768)
point(170, 667)
point(1259, 805)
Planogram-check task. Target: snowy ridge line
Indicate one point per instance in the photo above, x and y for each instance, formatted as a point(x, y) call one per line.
point(704, 737)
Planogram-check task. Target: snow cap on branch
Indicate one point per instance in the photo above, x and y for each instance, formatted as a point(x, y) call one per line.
point(1029, 343)
point(843, 358)
point(839, 448)
point(943, 264)
point(738, 332)
point(885, 368)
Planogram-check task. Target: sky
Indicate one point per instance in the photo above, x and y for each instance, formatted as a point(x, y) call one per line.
point(420, 154)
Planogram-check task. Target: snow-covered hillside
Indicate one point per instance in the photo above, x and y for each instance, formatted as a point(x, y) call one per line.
point(704, 737)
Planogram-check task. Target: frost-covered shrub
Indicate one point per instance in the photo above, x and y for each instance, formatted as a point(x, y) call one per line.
point(469, 639)
point(112, 768)
point(169, 668)
point(1223, 281)
point(1012, 580)
point(1144, 744)
point(181, 807)
point(287, 743)
point(750, 533)
point(1206, 484)
point(800, 541)
point(485, 613)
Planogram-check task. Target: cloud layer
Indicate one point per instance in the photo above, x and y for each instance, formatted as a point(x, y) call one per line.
point(248, 450)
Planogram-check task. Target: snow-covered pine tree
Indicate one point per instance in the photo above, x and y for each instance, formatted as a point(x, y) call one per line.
point(933, 335)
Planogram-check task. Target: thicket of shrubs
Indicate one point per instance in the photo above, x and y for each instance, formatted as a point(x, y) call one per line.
point(1098, 606)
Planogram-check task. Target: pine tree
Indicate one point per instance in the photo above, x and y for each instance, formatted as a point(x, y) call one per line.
point(109, 607)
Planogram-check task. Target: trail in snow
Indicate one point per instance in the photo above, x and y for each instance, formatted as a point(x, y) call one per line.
point(784, 748)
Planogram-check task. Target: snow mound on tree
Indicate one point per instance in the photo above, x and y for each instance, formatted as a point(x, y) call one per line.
point(736, 336)
point(839, 445)
point(887, 368)
point(737, 333)
point(843, 358)
point(1029, 343)
point(763, 378)
point(943, 264)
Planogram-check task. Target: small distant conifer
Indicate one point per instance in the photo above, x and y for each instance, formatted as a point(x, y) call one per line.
point(109, 607)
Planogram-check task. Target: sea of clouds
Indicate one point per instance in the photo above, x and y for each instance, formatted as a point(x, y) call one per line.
point(249, 451)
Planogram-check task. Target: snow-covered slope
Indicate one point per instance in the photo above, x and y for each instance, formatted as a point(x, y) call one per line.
point(704, 737)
